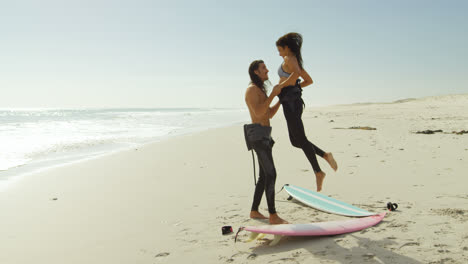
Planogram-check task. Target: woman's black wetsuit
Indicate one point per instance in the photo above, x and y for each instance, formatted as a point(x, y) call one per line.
point(293, 106)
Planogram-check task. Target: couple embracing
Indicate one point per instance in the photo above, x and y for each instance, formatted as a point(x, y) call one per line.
point(258, 133)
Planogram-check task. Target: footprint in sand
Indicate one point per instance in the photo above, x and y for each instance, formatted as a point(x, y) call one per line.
point(458, 214)
point(409, 244)
point(440, 245)
point(284, 260)
point(444, 260)
point(252, 256)
point(443, 251)
point(368, 256)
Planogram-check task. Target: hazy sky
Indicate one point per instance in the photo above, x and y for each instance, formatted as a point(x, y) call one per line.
point(196, 53)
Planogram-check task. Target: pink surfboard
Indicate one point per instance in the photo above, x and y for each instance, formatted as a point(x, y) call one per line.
point(315, 229)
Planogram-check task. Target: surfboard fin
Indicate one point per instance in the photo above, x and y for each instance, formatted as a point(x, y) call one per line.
point(252, 236)
point(276, 240)
point(260, 236)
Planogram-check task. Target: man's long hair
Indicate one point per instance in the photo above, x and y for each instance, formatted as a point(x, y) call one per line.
point(254, 78)
point(294, 41)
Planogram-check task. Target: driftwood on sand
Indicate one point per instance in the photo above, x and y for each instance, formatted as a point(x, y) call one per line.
point(358, 127)
point(428, 132)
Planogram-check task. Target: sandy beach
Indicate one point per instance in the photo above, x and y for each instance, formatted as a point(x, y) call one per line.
point(166, 202)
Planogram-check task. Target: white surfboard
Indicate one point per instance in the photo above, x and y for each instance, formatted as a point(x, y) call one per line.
point(325, 203)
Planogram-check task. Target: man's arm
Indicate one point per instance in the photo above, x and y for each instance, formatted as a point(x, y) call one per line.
point(274, 109)
point(252, 98)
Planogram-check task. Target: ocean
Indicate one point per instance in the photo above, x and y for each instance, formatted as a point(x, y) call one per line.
point(34, 139)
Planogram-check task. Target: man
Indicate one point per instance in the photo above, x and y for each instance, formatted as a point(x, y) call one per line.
point(258, 138)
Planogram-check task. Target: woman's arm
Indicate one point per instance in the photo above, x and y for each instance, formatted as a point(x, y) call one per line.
point(292, 63)
point(307, 79)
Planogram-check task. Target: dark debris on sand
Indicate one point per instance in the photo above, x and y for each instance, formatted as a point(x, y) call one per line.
point(364, 128)
point(358, 127)
point(428, 132)
point(164, 254)
point(460, 132)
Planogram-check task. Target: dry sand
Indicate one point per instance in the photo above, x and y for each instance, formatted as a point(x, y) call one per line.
point(166, 202)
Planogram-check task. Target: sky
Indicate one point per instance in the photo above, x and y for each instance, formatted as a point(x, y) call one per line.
point(80, 54)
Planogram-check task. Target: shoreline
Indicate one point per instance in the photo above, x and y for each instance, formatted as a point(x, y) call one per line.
point(9, 176)
point(54, 160)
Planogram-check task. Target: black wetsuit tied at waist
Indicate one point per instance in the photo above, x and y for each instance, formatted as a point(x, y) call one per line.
point(256, 132)
point(259, 139)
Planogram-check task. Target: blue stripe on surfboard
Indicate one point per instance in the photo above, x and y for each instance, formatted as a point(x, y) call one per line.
point(325, 203)
point(314, 194)
point(322, 203)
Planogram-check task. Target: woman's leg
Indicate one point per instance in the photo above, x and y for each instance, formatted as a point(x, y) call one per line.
point(293, 114)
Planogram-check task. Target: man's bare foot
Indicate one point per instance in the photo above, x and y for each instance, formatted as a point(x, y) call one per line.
point(319, 176)
point(276, 220)
point(257, 215)
point(329, 158)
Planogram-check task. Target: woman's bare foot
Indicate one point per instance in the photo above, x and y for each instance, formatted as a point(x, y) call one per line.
point(329, 158)
point(319, 176)
point(257, 215)
point(276, 220)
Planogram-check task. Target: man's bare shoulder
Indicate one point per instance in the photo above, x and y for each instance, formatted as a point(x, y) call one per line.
point(252, 94)
point(253, 89)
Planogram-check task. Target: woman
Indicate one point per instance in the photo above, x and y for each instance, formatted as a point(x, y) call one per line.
point(289, 47)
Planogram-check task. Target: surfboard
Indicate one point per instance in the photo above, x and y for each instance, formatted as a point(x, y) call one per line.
point(314, 229)
point(324, 203)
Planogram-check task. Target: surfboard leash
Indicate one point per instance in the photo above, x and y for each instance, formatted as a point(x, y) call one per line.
point(240, 229)
point(253, 159)
point(281, 188)
point(290, 197)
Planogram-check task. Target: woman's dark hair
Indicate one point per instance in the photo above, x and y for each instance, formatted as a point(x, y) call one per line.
point(254, 77)
point(294, 42)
